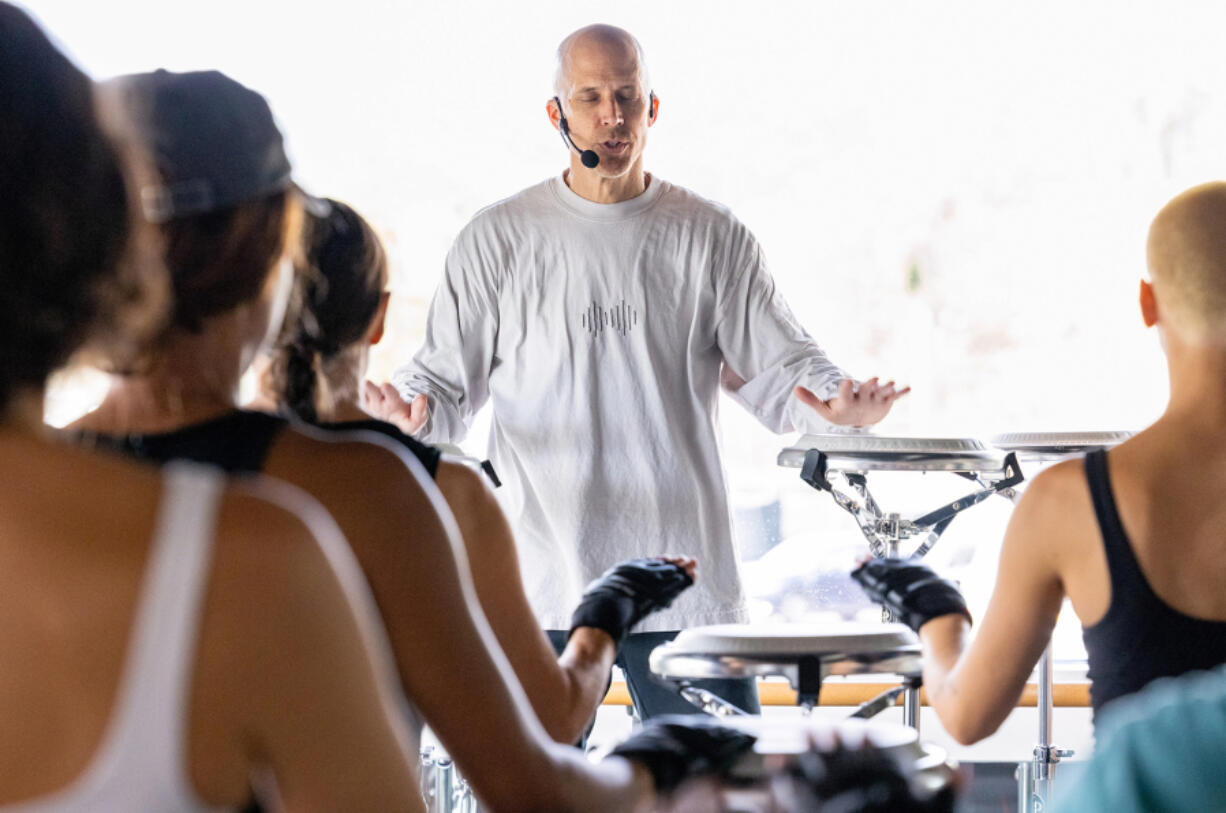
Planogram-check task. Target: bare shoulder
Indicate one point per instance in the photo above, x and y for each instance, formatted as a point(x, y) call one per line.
point(462, 486)
point(486, 534)
point(1063, 483)
point(377, 491)
point(1054, 509)
point(275, 541)
point(357, 465)
point(281, 566)
point(288, 622)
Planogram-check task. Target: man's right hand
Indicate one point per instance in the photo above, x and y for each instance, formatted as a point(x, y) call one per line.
point(384, 402)
point(628, 592)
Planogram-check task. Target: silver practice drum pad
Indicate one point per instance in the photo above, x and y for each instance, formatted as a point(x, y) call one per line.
point(1039, 446)
point(875, 453)
point(798, 653)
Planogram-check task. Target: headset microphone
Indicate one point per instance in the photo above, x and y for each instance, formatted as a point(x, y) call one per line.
point(586, 157)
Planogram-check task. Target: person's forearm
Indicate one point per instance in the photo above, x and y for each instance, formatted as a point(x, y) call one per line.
point(563, 692)
point(944, 640)
point(614, 785)
point(585, 665)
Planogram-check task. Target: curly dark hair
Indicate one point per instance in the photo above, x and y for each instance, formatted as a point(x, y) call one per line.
point(64, 217)
point(339, 284)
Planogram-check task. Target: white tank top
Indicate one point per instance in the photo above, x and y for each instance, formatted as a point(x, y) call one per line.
point(141, 763)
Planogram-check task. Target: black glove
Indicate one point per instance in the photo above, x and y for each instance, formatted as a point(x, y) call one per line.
point(864, 779)
point(627, 593)
point(911, 590)
point(676, 747)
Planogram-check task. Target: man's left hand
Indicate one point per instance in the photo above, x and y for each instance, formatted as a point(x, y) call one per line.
point(855, 407)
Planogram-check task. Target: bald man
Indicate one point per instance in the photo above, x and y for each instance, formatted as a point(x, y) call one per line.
point(1135, 537)
point(599, 312)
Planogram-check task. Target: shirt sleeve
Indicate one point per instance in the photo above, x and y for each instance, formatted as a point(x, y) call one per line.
point(766, 351)
point(452, 368)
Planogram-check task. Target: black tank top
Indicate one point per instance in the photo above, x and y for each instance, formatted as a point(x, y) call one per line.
point(237, 442)
point(1141, 638)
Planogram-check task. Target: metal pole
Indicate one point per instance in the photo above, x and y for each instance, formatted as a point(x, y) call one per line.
point(1043, 766)
point(911, 707)
point(1045, 754)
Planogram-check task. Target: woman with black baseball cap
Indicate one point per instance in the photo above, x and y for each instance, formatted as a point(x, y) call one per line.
point(217, 183)
point(164, 634)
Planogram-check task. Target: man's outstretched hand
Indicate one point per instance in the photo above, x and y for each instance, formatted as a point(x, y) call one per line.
point(385, 403)
point(851, 407)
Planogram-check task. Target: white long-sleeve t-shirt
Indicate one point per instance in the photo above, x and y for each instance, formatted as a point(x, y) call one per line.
point(601, 333)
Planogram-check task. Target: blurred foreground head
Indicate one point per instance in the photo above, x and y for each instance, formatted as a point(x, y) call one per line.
point(65, 275)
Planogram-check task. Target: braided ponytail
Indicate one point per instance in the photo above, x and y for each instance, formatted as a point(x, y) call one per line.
point(338, 287)
point(301, 374)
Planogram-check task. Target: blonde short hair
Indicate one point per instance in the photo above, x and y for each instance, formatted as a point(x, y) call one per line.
point(1186, 253)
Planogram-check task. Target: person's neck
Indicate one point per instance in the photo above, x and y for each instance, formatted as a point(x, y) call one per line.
point(589, 185)
point(194, 379)
point(1198, 383)
point(344, 374)
point(344, 412)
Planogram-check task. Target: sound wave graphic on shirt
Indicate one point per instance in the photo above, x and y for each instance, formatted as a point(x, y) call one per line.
point(620, 318)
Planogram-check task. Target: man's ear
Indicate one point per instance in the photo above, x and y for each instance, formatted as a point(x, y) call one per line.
point(1149, 304)
point(553, 109)
point(380, 321)
point(653, 108)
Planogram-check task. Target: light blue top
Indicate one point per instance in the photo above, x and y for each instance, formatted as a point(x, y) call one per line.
point(1160, 749)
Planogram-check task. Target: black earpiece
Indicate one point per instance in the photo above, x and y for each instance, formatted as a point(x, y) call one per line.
point(651, 106)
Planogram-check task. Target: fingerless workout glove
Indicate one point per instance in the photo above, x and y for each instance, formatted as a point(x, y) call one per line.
point(675, 747)
point(911, 590)
point(626, 593)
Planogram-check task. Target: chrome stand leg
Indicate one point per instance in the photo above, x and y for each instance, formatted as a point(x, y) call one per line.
point(1035, 784)
point(444, 785)
point(911, 707)
point(891, 553)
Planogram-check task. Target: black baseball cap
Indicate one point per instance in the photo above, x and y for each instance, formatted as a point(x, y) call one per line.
point(212, 140)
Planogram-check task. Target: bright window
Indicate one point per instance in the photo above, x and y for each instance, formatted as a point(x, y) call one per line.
point(954, 194)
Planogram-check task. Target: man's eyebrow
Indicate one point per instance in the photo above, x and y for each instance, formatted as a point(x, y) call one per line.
point(597, 88)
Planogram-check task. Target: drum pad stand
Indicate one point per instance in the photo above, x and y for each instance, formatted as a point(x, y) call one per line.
point(885, 532)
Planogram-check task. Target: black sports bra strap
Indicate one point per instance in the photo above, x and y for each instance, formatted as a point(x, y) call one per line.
point(1122, 565)
point(255, 433)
